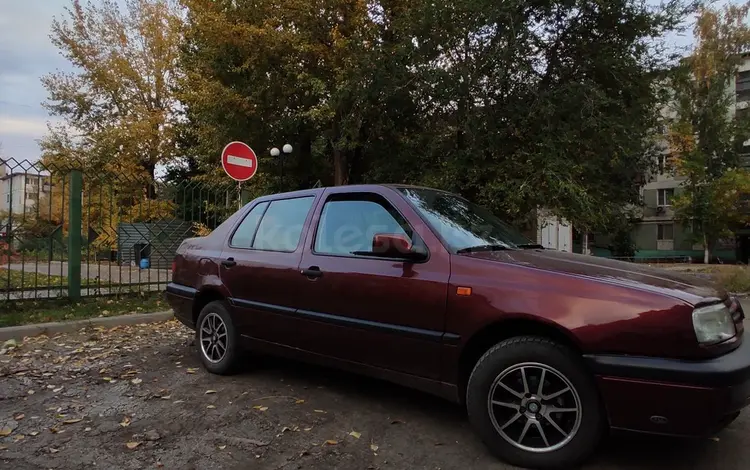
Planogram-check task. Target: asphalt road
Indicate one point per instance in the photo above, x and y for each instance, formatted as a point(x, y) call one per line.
point(79, 400)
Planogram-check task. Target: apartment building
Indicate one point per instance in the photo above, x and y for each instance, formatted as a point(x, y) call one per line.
point(20, 193)
point(658, 234)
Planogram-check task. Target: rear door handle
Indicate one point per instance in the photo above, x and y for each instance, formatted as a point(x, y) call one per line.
point(312, 272)
point(229, 263)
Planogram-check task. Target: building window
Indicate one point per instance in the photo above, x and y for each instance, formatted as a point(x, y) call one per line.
point(742, 86)
point(663, 162)
point(664, 197)
point(665, 232)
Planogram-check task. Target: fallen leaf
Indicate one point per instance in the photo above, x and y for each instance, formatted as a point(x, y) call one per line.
point(107, 379)
point(57, 390)
point(52, 450)
point(299, 402)
point(34, 433)
point(261, 408)
point(132, 445)
point(319, 411)
point(210, 407)
point(125, 422)
point(191, 370)
point(72, 421)
point(5, 432)
point(166, 397)
point(87, 429)
point(136, 381)
point(308, 429)
point(3, 448)
point(209, 392)
point(285, 429)
point(30, 392)
point(19, 416)
point(331, 442)
point(374, 447)
point(11, 343)
point(222, 447)
point(18, 437)
point(715, 439)
point(355, 434)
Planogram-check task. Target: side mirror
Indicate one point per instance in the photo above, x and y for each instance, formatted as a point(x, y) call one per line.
point(396, 245)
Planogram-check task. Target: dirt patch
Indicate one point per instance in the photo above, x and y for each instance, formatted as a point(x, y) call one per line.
point(136, 397)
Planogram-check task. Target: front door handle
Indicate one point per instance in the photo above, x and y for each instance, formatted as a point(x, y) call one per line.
point(229, 263)
point(312, 272)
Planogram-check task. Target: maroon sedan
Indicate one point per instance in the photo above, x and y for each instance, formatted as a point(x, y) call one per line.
point(547, 350)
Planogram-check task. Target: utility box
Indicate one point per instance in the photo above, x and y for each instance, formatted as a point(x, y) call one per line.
point(554, 233)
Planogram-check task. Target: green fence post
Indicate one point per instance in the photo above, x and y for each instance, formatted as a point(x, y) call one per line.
point(75, 210)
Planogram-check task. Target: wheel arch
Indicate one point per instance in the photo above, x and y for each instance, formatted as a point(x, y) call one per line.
point(488, 336)
point(203, 298)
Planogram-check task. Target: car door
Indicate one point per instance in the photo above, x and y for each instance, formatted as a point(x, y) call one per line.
point(260, 267)
point(387, 313)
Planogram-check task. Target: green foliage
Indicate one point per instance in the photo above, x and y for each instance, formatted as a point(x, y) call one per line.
point(514, 105)
point(707, 136)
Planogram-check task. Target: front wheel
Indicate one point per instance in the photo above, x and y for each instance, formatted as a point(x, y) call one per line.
point(534, 405)
point(217, 339)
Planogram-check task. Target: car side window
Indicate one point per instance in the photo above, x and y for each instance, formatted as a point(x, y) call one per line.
point(243, 236)
point(281, 226)
point(347, 225)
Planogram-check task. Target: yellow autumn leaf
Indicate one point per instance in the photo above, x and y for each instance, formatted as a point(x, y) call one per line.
point(209, 392)
point(331, 442)
point(132, 445)
point(4, 432)
point(355, 434)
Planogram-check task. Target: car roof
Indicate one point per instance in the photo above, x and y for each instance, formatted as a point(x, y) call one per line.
point(348, 188)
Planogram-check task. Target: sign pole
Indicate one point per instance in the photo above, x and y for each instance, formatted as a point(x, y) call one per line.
point(239, 195)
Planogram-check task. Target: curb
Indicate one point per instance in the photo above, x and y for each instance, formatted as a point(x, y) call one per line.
point(19, 332)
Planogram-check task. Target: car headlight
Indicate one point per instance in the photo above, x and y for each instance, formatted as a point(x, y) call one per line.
point(713, 324)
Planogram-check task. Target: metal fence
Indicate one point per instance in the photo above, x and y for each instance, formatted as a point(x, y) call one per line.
point(70, 231)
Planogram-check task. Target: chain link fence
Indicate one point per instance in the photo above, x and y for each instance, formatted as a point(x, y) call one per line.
point(71, 231)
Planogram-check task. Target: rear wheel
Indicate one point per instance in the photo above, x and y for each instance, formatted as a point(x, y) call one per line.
point(217, 339)
point(534, 404)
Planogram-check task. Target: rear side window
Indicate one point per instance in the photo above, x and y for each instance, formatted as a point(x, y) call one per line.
point(281, 226)
point(243, 236)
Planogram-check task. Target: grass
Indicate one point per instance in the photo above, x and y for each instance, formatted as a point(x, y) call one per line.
point(732, 277)
point(26, 312)
point(20, 280)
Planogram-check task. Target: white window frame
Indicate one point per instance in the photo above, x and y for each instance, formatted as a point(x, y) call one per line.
point(663, 201)
point(664, 225)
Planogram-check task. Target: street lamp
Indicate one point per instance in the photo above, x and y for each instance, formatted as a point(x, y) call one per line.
point(287, 149)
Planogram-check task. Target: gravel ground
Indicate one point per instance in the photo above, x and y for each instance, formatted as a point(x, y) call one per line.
point(136, 397)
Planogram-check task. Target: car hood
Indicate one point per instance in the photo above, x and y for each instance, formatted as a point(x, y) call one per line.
point(691, 289)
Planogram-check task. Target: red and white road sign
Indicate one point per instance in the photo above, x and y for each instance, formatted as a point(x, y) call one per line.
point(239, 161)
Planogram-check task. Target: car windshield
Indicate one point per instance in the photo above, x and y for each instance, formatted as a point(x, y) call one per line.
point(463, 225)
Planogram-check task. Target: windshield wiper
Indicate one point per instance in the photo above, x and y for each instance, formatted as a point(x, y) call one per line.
point(473, 249)
point(529, 246)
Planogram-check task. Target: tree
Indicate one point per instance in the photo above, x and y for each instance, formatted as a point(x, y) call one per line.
point(118, 106)
point(514, 105)
point(706, 135)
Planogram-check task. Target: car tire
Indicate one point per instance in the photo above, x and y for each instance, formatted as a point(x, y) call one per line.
point(214, 330)
point(554, 439)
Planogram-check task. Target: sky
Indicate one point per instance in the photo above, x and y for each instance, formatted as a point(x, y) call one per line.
point(26, 54)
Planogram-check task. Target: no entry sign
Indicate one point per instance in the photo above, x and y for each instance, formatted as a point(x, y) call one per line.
point(239, 161)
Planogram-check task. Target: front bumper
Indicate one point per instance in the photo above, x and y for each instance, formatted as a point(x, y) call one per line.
point(672, 396)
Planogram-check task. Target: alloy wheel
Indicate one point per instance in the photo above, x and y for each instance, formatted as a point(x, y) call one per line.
point(213, 337)
point(534, 407)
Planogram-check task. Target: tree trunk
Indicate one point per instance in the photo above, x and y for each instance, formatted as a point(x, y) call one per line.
point(706, 251)
point(340, 167)
point(585, 243)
